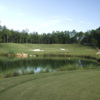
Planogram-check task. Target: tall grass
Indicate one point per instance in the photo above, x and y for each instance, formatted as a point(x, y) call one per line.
point(16, 73)
point(63, 68)
point(42, 71)
point(30, 72)
point(47, 69)
point(75, 67)
point(68, 67)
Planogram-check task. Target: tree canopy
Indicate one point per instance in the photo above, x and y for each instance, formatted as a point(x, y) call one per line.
point(91, 37)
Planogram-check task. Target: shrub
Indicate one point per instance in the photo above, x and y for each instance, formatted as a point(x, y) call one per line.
point(42, 71)
point(7, 75)
point(47, 69)
point(15, 74)
point(30, 72)
point(72, 68)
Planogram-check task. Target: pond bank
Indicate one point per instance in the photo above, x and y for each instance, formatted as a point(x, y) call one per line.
point(24, 55)
point(17, 67)
point(81, 56)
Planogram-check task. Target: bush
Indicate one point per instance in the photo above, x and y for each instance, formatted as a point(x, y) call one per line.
point(72, 67)
point(30, 72)
point(47, 69)
point(7, 75)
point(15, 74)
point(42, 71)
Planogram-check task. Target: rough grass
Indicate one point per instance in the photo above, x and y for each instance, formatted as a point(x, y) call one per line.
point(67, 85)
point(70, 49)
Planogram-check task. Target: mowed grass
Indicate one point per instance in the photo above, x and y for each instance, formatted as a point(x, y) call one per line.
point(66, 85)
point(70, 49)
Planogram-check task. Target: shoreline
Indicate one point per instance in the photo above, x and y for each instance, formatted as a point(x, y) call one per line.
point(23, 55)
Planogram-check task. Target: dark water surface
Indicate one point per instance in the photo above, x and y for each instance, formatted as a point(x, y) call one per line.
point(44, 64)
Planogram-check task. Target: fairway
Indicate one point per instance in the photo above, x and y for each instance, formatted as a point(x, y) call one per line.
point(48, 49)
point(66, 85)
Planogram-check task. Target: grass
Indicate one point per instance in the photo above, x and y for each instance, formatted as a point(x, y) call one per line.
point(53, 49)
point(68, 67)
point(66, 85)
point(15, 73)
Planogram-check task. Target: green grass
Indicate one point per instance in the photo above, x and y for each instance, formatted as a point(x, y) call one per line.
point(66, 85)
point(70, 49)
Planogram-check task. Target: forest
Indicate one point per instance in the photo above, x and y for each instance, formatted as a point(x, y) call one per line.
point(91, 37)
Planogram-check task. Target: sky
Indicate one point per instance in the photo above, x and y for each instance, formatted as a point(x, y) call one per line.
point(45, 16)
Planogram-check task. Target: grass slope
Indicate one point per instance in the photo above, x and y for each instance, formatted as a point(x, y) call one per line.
point(68, 85)
point(70, 49)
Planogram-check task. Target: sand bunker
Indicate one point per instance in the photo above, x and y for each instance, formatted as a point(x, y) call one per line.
point(62, 49)
point(36, 50)
point(21, 55)
point(98, 53)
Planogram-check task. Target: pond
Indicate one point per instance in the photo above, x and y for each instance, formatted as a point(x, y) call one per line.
point(15, 67)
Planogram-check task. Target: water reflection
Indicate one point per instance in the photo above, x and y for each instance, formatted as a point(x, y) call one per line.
point(43, 64)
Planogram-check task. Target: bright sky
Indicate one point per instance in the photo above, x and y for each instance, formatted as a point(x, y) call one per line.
point(50, 15)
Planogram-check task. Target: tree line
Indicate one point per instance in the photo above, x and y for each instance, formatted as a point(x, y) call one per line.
point(91, 37)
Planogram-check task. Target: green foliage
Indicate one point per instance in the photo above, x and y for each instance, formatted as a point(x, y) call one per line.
point(94, 42)
point(47, 69)
point(68, 67)
point(56, 37)
point(0, 33)
point(92, 38)
point(72, 67)
point(30, 72)
point(7, 75)
point(14, 74)
point(42, 71)
point(23, 72)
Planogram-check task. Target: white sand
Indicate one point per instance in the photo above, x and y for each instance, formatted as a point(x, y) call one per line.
point(36, 50)
point(98, 53)
point(62, 49)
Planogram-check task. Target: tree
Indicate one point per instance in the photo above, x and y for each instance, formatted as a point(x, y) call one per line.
point(62, 37)
point(80, 36)
point(0, 33)
point(4, 32)
point(94, 42)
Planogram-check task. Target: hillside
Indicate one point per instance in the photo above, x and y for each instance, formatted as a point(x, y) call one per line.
point(41, 49)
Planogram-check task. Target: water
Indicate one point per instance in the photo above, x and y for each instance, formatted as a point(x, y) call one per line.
point(38, 65)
